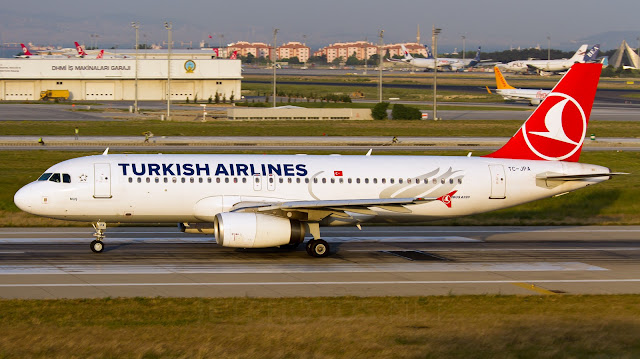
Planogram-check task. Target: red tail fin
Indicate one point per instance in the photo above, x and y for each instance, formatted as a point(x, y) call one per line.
point(234, 55)
point(556, 130)
point(100, 54)
point(80, 49)
point(25, 50)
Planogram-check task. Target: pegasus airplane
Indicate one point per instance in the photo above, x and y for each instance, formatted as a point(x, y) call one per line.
point(510, 93)
point(256, 201)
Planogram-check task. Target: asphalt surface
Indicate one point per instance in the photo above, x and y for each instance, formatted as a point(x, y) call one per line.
point(377, 261)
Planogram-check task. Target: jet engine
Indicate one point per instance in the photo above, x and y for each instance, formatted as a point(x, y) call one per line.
point(254, 230)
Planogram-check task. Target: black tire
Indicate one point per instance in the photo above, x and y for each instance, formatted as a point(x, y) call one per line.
point(97, 246)
point(318, 248)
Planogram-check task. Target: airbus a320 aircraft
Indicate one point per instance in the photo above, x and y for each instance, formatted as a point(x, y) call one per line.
point(254, 201)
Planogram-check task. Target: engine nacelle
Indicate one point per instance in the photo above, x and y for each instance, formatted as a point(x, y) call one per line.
point(253, 230)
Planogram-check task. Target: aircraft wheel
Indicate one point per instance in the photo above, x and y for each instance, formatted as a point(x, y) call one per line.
point(97, 246)
point(318, 248)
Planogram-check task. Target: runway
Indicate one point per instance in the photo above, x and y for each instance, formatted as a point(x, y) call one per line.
point(377, 261)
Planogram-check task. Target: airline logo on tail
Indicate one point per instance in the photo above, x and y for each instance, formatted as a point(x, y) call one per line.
point(25, 50)
point(216, 50)
point(234, 55)
point(100, 54)
point(556, 129)
point(501, 83)
point(80, 49)
point(592, 54)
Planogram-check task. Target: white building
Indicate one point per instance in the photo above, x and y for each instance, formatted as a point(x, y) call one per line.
point(114, 79)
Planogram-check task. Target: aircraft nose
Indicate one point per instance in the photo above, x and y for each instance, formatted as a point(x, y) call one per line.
point(24, 199)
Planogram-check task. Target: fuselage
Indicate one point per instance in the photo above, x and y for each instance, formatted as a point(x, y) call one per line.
point(162, 188)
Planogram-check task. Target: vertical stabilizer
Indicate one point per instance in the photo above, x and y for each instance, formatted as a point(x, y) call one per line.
point(555, 131)
point(579, 55)
point(501, 83)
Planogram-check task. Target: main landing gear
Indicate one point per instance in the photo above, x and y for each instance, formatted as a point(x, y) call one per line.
point(317, 247)
point(96, 245)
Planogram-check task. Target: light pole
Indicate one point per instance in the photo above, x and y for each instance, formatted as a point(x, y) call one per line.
point(167, 25)
point(136, 25)
point(638, 38)
point(275, 38)
point(464, 38)
point(548, 48)
point(380, 65)
point(434, 43)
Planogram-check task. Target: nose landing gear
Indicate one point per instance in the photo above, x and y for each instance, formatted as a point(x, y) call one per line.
point(96, 245)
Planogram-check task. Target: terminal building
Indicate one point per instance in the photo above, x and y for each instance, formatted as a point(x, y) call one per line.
point(115, 79)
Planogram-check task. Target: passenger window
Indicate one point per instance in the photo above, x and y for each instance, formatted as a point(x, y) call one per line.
point(435, 181)
point(306, 180)
point(157, 180)
point(200, 179)
point(130, 180)
point(391, 180)
point(450, 180)
point(409, 180)
point(244, 179)
point(349, 180)
point(175, 180)
point(324, 180)
point(208, 179)
point(357, 180)
point(341, 180)
point(333, 180)
point(459, 180)
point(281, 180)
point(298, 180)
point(148, 180)
point(139, 180)
point(55, 177)
point(226, 180)
point(399, 180)
point(315, 180)
point(66, 178)
point(442, 181)
point(375, 180)
point(217, 179)
point(426, 181)
point(44, 177)
point(270, 179)
point(366, 180)
point(183, 180)
point(191, 180)
point(384, 180)
point(166, 180)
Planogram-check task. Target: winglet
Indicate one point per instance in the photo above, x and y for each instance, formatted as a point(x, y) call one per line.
point(369, 153)
point(106, 152)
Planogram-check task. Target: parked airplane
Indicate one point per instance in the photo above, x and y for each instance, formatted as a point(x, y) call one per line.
point(255, 201)
point(524, 66)
point(81, 52)
point(26, 54)
point(508, 92)
point(234, 55)
point(429, 62)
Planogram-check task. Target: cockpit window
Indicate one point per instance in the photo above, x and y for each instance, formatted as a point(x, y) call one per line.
point(66, 178)
point(44, 177)
point(55, 177)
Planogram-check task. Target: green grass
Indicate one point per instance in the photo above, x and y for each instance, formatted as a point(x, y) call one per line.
point(346, 327)
point(464, 128)
point(616, 201)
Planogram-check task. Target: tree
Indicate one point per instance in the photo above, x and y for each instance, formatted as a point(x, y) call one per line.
point(402, 112)
point(353, 60)
point(337, 60)
point(379, 111)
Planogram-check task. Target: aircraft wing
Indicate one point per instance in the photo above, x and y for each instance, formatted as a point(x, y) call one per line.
point(334, 206)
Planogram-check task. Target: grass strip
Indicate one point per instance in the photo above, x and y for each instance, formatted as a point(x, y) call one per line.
point(373, 327)
point(390, 128)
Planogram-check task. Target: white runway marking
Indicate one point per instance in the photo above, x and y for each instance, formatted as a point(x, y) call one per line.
point(448, 282)
point(298, 268)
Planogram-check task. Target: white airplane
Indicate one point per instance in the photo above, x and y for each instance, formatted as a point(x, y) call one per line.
point(256, 201)
point(453, 64)
point(510, 93)
point(553, 66)
point(26, 54)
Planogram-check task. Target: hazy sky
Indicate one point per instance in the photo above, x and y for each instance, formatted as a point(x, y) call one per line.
point(494, 24)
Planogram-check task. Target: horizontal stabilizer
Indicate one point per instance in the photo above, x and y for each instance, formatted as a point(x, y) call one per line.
point(575, 177)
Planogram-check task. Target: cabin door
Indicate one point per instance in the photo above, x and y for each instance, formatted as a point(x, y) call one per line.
point(498, 182)
point(102, 180)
